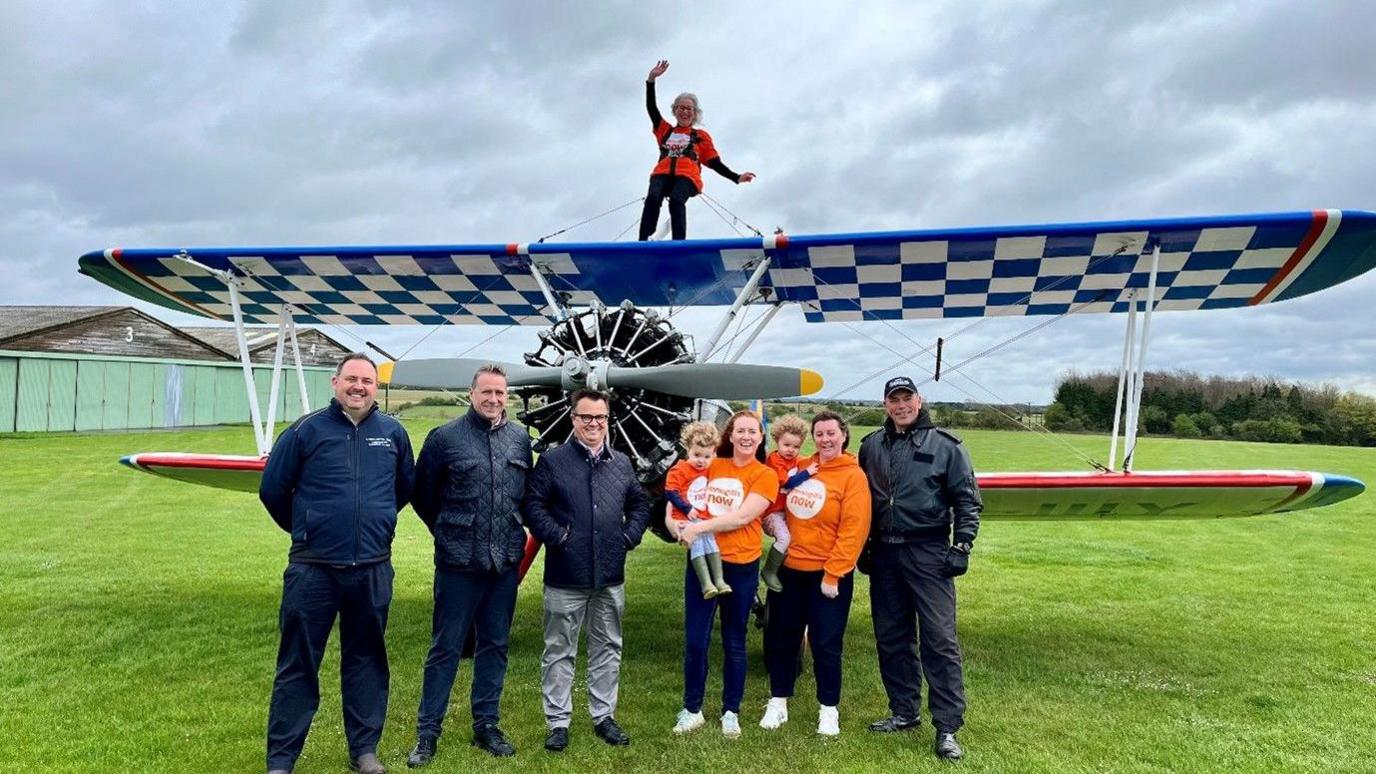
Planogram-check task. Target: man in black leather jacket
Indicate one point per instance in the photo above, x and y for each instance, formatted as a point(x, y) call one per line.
point(924, 494)
point(470, 478)
point(586, 505)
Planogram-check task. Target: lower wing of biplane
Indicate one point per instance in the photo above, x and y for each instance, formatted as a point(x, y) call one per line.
point(619, 342)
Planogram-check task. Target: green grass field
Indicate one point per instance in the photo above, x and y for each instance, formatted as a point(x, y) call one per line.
point(138, 632)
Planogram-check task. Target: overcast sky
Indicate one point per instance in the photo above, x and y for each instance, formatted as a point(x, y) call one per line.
point(292, 123)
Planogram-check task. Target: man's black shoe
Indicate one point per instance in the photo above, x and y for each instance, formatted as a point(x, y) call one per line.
point(947, 747)
point(491, 739)
point(896, 723)
point(611, 733)
point(557, 740)
point(422, 752)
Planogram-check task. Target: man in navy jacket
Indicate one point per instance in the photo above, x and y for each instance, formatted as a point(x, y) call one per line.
point(335, 481)
point(584, 502)
point(469, 481)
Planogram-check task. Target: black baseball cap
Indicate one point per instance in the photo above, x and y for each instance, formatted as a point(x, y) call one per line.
point(899, 383)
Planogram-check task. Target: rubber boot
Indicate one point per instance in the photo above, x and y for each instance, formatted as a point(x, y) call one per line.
point(714, 562)
point(709, 589)
point(770, 572)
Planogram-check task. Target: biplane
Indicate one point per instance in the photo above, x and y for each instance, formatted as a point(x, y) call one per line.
point(602, 308)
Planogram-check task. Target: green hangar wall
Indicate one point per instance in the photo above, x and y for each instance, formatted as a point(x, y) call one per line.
point(45, 392)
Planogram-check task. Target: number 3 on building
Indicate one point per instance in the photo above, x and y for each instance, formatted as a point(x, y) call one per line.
point(129, 333)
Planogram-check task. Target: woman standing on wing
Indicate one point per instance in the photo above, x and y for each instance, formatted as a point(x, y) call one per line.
point(740, 487)
point(683, 151)
point(829, 520)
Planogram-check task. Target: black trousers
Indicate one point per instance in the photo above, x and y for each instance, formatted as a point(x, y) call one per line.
point(801, 605)
point(463, 599)
point(914, 610)
point(679, 190)
point(312, 595)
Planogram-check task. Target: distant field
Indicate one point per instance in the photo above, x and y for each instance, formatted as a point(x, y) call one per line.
point(138, 632)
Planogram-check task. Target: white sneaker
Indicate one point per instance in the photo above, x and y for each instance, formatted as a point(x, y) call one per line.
point(828, 721)
point(730, 725)
point(688, 721)
point(775, 714)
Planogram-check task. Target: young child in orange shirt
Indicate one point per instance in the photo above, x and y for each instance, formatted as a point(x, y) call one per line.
point(788, 432)
point(685, 487)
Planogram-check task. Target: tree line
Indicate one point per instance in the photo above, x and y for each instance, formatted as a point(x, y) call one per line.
point(1188, 405)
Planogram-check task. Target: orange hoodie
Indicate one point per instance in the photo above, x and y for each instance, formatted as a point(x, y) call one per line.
point(829, 518)
point(785, 469)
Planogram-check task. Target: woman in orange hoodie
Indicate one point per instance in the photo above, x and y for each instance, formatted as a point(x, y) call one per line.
point(829, 518)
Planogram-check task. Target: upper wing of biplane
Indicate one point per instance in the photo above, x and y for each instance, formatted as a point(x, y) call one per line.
point(1204, 263)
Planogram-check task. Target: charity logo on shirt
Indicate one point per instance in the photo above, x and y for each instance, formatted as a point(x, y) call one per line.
point(697, 493)
point(724, 495)
point(677, 143)
point(806, 499)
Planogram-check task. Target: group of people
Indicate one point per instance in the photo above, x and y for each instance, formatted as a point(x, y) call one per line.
point(904, 509)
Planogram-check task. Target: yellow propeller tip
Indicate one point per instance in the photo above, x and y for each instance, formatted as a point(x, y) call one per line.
point(384, 372)
point(809, 381)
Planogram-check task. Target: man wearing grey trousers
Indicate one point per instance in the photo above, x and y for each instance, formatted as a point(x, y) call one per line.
point(584, 503)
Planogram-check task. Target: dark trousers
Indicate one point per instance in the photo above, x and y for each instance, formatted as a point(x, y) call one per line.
point(312, 595)
point(800, 606)
point(679, 190)
point(484, 602)
point(914, 610)
point(698, 617)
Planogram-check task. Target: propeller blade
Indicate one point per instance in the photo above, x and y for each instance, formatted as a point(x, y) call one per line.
point(726, 381)
point(456, 373)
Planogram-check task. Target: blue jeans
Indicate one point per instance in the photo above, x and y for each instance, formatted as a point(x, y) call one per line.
point(698, 618)
point(480, 601)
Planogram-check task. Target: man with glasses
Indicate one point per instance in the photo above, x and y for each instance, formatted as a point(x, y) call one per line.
point(584, 503)
point(469, 482)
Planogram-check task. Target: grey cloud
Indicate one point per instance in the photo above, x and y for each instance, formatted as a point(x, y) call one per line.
point(377, 123)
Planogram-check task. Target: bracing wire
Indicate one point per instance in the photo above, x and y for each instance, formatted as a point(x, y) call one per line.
point(589, 220)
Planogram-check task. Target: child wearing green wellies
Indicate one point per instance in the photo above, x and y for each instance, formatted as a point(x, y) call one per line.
point(788, 432)
point(685, 488)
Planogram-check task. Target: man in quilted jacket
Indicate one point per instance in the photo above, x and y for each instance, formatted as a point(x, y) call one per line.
point(586, 505)
point(470, 478)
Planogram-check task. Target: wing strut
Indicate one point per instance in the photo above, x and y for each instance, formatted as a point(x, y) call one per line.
point(554, 306)
point(1127, 363)
point(741, 298)
point(1133, 372)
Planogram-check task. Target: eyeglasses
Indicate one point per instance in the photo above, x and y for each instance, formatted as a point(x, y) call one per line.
point(591, 419)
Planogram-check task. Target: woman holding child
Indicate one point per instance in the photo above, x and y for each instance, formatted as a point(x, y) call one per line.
point(740, 489)
point(828, 518)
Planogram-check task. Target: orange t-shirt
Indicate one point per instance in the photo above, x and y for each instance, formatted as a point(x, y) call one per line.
point(728, 487)
point(829, 518)
point(785, 469)
point(691, 485)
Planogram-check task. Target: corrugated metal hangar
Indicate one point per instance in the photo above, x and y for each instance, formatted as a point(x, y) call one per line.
point(117, 368)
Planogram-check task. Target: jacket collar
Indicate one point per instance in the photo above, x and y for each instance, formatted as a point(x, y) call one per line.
point(924, 422)
point(338, 410)
point(603, 454)
point(481, 422)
